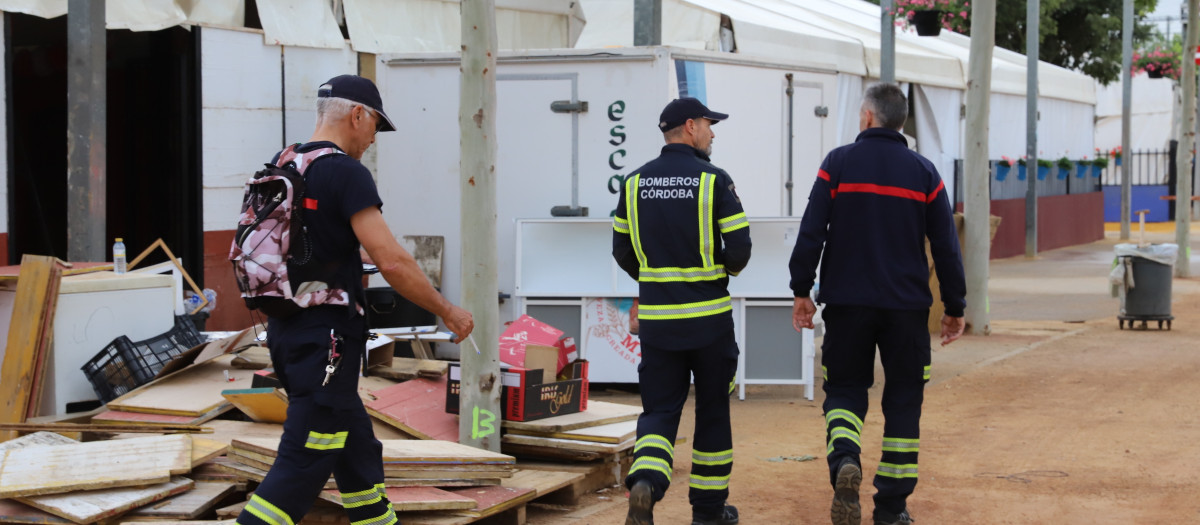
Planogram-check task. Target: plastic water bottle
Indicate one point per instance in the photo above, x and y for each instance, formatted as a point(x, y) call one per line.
point(119, 256)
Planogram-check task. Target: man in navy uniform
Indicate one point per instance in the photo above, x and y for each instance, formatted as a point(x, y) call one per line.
point(680, 231)
point(872, 206)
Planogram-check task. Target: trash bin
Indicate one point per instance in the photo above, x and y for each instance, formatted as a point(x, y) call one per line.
point(1143, 276)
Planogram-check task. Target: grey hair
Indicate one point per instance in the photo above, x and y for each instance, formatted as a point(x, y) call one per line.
point(888, 103)
point(334, 108)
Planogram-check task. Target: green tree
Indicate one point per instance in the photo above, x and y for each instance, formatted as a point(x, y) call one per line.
point(1083, 35)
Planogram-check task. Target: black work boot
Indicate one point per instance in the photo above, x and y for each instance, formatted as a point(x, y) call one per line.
point(883, 517)
point(641, 504)
point(727, 516)
point(845, 509)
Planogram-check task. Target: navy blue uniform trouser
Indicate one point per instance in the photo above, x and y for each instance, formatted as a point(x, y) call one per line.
point(848, 359)
point(665, 378)
point(327, 429)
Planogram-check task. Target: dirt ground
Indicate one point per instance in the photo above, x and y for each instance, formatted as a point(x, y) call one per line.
point(1056, 417)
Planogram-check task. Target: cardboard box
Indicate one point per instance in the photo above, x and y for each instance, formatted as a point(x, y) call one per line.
point(527, 331)
point(526, 396)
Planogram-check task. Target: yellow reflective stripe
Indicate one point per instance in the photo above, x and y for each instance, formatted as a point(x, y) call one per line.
point(709, 482)
point(267, 512)
point(686, 310)
point(651, 463)
point(675, 274)
point(635, 235)
point(707, 181)
point(901, 445)
point(387, 518)
point(360, 499)
point(656, 441)
point(733, 222)
point(842, 433)
point(926, 372)
point(893, 470)
point(841, 413)
point(712, 458)
point(824, 372)
point(732, 385)
point(319, 441)
point(620, 225)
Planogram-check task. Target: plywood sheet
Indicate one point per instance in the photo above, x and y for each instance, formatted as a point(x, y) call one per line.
point(20, 372)
point(90, 506)
point(95, 465)
point(264, 405)
point(397, 452)
point(416, 498)
point(597, 413)
point(118, 417)
point(37, 439)
point(418, 407)
point(193, 391)
point(206, 449)
point(226, 430)
point(253, 358)
point(567, 444)
point(406, 368)
point(13, 511)
point(244, 471)
point(611, 433)
point(494, 500)
point(541, 481)
point(190, 505)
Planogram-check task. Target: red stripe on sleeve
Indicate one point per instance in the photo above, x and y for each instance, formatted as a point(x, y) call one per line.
point(941, 186)
point(891, 191)
point(823, 175)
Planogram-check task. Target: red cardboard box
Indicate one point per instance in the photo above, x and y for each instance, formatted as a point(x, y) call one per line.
point(526, 396)
point(527, 330)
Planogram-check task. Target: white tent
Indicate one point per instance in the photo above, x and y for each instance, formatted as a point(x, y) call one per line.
point(1154, 114)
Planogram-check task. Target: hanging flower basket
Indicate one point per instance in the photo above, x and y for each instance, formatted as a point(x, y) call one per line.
point(1002, 172)
point(928, 23)
point(1159, 62)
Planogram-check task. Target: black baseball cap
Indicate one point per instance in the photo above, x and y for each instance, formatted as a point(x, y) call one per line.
point(357, 89)
point(680, 110)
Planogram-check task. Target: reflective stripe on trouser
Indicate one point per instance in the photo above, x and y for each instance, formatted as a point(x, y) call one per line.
point(665, 377)
point(852, 334)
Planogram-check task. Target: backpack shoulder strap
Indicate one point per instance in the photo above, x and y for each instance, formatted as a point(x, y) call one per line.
point(301, 161)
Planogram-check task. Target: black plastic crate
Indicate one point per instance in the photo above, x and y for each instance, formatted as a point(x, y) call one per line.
point(124, 365)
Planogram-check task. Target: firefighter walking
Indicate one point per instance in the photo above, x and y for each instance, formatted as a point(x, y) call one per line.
point(680, 231)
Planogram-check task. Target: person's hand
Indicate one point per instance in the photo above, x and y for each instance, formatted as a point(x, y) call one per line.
point(952, 329)
point(460, 322)
point(803, 310)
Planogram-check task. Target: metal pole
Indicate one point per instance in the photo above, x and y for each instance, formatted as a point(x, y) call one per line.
point(479, 398)
point(86, 135)
point(1187, 143)
point(977, 206)
point(887, 44)
point(647, 22)
point(1126, 102)
point(1032, 45)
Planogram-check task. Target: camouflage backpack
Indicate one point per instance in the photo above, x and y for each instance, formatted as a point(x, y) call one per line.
point(271, 237)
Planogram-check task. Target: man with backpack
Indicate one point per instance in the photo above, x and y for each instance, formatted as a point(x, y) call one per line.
point(296, 257)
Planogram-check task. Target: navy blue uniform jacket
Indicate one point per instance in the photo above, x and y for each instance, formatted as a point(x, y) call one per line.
point(872, 206)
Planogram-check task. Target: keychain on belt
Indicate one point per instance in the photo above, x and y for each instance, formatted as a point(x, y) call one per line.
point(335, 357)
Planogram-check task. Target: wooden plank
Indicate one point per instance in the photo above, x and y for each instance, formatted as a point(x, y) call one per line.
point(567, 444)
point(418, 407)
point(96, 465)
point(13, 511)
point(106, 427)
point(231, 512)
point(402, 472)
point(189, 505)
point(206, 449)
point(37, 279)
point(244, 471)
point(542, 482)
point(415, 498)
point(227, 430)
point(598, 413)
point(611, 433)
point(91, 506)
point(264, 405)
point(493, 500)
point(396, 452)
point(37, 439)
point(559, 454)
point(185, 522)
point(45, 338)
point(193, 391)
